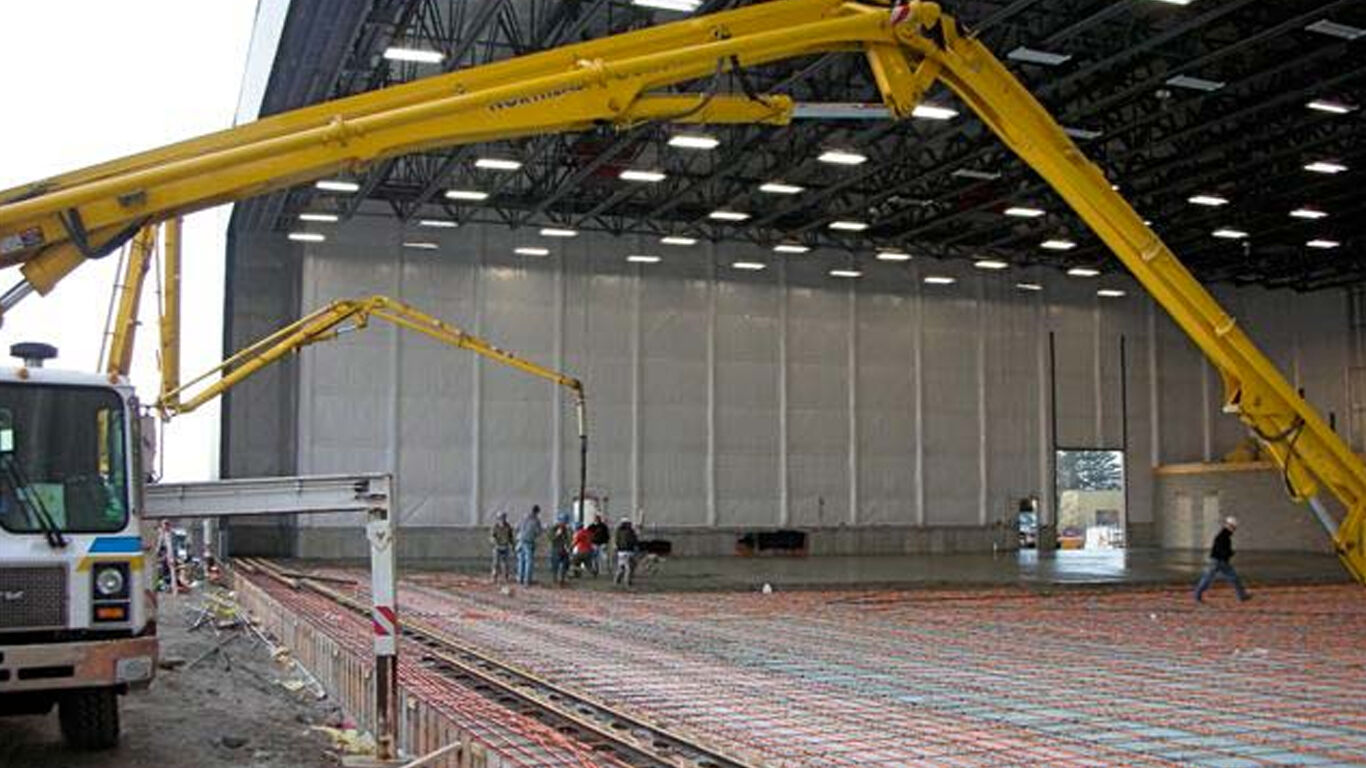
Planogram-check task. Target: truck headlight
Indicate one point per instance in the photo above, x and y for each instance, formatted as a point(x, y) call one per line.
point(110, 581)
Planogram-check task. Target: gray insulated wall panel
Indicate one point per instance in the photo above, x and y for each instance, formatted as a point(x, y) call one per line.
point(731, 400)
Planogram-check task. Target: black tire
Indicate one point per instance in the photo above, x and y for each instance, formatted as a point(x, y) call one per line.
point(90, 718)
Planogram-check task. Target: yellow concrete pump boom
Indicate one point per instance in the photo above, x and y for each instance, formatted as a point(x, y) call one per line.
point(49, 227)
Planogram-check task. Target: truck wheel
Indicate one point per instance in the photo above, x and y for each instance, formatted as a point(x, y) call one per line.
point(90, 718)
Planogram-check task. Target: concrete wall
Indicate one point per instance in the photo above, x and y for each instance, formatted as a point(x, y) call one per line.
point(723, 400)
point(1193, 501)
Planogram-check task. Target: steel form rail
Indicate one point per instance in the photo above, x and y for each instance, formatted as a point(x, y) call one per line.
point(635, 741)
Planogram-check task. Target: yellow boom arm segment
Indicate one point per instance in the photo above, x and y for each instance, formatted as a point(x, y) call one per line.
point(50, 227)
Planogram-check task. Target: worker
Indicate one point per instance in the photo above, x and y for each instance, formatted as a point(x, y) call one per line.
point(627, 543)
point(502, 539)
point(1220, 554)
point(602, 536)
point(528, 531)
point(583, 554)
point(559, 552)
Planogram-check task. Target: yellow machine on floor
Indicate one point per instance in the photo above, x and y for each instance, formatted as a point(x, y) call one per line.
point(48, 228)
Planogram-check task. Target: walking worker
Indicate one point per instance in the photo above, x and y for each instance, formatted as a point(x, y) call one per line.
point(1220, 555)
point(582, 554)
point(602, 536)
point(627, 544)
point(559, 552)
point(528, 532)
point(501, 537)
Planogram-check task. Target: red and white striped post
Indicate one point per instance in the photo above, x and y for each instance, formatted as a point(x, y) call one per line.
point(380, 531)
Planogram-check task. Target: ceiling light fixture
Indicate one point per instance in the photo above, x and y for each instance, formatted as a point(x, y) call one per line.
point(327, 218)
point(1332, 107)
point(438, 223)
point(531, 251)
point(1213, 201)
point(649, 177)
point(415, 55)
point(682, 6)
point(1323, 244)
point(842, 157)
point(969, 173)
point(1032, 56)
point(991, 264)
point(1308, 213)
point(421, 245)
point(893, 256)
point(497, 164)
point(678, 240)
point(1024, 212)
point(932, 112)
point(1229, 234)
point(1029, 286)
point(939, 280)
point(306, 237)
point(466, 194)
point(779, 188)
point(845, 273)
point(728, 216)
point(849, 226)
point(1325, 166)
point(1334, 29)
point(751, 266)
point(642, 259)
point(1086, 134)
point(1058, 245)
point(1110, 293)
point(790, 248)
point(337, 185)
point(694, 141)
point(558, 232)
point(1083, 272)
point(1195, 83)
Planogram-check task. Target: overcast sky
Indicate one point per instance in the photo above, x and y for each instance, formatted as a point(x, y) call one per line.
point(92, 80)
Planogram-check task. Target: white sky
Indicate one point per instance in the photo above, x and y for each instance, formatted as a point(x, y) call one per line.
point(92, 80)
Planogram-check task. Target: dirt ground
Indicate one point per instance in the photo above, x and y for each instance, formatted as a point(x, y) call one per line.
point(220, 712)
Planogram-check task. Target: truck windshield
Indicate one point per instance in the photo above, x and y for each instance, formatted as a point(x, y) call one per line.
point(63, 462)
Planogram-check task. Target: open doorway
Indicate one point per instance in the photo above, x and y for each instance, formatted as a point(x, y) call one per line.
point(1091, 510)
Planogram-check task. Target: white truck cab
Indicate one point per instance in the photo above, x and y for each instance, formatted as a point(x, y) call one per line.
point(77, 623)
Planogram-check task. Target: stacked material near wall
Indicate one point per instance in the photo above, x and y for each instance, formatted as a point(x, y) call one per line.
point(949, 677)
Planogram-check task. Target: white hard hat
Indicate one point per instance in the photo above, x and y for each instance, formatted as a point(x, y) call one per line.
point(1231, 521)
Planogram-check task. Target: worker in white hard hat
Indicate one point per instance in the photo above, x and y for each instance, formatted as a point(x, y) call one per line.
point(1220, 554)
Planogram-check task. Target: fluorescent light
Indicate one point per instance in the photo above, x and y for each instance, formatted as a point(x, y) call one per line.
point(1308, 213)
point(728, 215)
point(323, 217)
point(790, 248)
point(779, 188)
point(336, 185)
point(694, 141)
point(531, 251)
point(842, 157)
point(1229, 234)
point(1210, 200)
point(1058, 245)
point(646, 176)
point(466, 194)
point(939, 280)
point(497, 164)
point(306, 237)
point(682, 6)
point(991, 264)
point(968, 173)
point(752, 266)
point(1334, 29)
point(932, 112)
point(845, 273)
point(1086, 134)
point(1023, 212)
point(1029, 286)
point(1083, 272)
point(1323, 244)
point(1176, 2)
point(1334, 107)
point(418, 55)
point(421, 245)
point(1032, 56)
point(1324, 166)
point(893, 256)
point(642, 259)
point(558, 232)
point(1195, 83)
point(849, 226)
point(438, 223)
point(1110, 293)
point(677, 240)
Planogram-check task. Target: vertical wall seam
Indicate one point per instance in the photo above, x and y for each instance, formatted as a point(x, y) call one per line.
point(1047, 513)
point(712, 516)
point(784, 501)
point(557, 402)
point(852, 377)
point(1154, 401)
point(918, 375)
point(1097, 374)
point(1206, 408)
point(635, 392)
point(396, 380)
point(981, 365)
point(476, 383)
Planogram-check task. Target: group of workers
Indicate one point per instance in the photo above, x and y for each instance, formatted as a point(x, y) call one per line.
point(584, 550)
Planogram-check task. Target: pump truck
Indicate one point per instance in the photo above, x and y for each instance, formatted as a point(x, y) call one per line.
point(72, 493)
